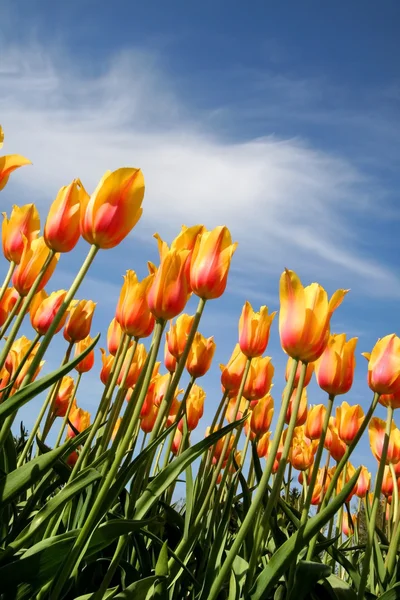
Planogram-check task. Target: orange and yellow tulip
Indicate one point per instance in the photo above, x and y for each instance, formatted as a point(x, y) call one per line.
point(254, 328)
point(263, 444)
point(200, 355)
point(169, 290)
point(384, 365)
point(333, 443)
point(63, 397)
point(348, 421)
point(44, 308)
point(169, 360)
point(134, 367)
point(114, 334)
point(87, 363)
point(195, 406)
point(376, 430)
point(8, 164)
point(79, 321)
point(185, 240)
point(304, 317)
point(302, 451)
point(363, 482)
point(107, 361)
point(210, 263)
point(314, 421)
point(178, 334)
point(62, 227)
point(303, 408)
point(113, 209)
point(33, 259)
point(80, 420)
point(23, 222)
point(232, 372)
point(259, 380)
point(261, 415)
point(392, 400)
point(309, 372)
point(334, 369)
point(387, 483)
point(348, 524)
point(133, 313)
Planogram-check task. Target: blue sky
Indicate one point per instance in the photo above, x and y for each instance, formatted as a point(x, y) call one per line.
point(280, 120)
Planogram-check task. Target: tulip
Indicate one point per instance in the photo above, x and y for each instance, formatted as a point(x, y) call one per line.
point(350, 470)
point(387, 483)
point(80, 321)
point(261, 416)
point(309, 372)
point(148, 420)
point(113, 209)
point(114, 333)
point(315, 421)
point(173, 412)
point(216, 450)
point(72, 458)
point(6, 304)
point(200, 355)
point(80, 420)
point(384, 365)
point(363, 482)
point(335, 367)
point(169, 291)
point(263, 444)
point(107, 364)
point(8, 164)
point(333, 443)
point(392, 400)
point(348, 524)
point(133, 312)
point(134, 367)
point(302, 451)
point(259, 380)
point(194, 406)
point(232, 372)
point(176, 442)
point(254, 328)
point(231, 414)
point(44, 308)
point(62, 228)
point(87, 363)
point(18, 352)
point(23, 222)
point(304, 318)
point(348, 421)
point(210, 263)
point(303, 408)
point(33, 259)
point(376, 430)
point(161, 386)
point(178, 334)
point(185, 240)
point(169, 360)
point(64, 396)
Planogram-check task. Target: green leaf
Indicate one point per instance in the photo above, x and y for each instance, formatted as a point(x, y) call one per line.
point(111, 530)
point(340, 590)
point(238, 577)
point(162, 562)
point(307, 574)
point(21, 479)
point(108, 595)
point(392, 594)
point(289, 551)
point(8, 455)
point(35, 388)
point(138, 589)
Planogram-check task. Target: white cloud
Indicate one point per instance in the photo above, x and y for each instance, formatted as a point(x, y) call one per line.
point(286, 202)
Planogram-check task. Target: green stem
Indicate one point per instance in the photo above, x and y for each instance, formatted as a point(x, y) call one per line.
point(391, 557)
point(10, 317)
point(375, 506)
point(260, 494)
point(66, 416)
point(395, 493)
point(74, 556)
point(7, 279)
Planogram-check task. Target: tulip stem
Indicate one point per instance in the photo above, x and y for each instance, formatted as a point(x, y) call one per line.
point(391, 558)
point(7, 279)
point(66, 416)
point(10, 317)
point(395, 493)
point(375, 506)
point(260, 494)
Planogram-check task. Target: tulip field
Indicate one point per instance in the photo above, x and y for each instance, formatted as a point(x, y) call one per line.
point(89, 507)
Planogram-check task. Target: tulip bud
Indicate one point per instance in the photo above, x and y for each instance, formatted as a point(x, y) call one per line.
point(261, 416)
point(134, 367)
point(384, 365)
point(133, 312)
point(80, 321)
point(63, 397)
point(263, 444)
point(169, 291)
point(176, 442)
point(363, 482)
point(304, 317)
point(376, 430)
point(335, 367)
point(302, 451)
point(259, 380)
point(195, 406)
point(210, 263)
point(254, 328)
point(178, 334)
point(80, 419)
point(303, 408)
point(114, 333)
point(62, 230)
point(43, 310)
point(72, 458)
point(232, 372)
point(169, 360)
point(87, 363)
point(392, 400)
point(334, 444)
point(113, 209)
point(348, 524)
point(23, 222)
point(387, 483)
point(348, 421)
point(32, 261)
point(200, 355)
point(107, 364)
point(315, 421)
point(116, 427)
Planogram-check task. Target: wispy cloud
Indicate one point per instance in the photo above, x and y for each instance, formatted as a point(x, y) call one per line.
point(287, 203)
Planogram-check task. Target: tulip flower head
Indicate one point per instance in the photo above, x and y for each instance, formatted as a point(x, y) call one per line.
point(133, 313)
point(363, 483)
point(79, 321)
point(263, 444)
point(254, 328)
point(200, 355)
point(348, 421)
point(309, 372)
point(80, 420)
point(24, 222)
point(62, 228)
point(33, 259)
point(44, 308)
point(392, 400)
point(259, 380)
point(384, 365)
point(87, 363)
point(261, 415)
point(304, 318)
point(335, 367)
point(8, 164)
point(195, 406)
point(301, 416)
point(169, 360)
point(178, 334)
point(107, 361)
point(376, 430)
point(64, 396)
point(314, 421)
point(232, 372)
point(114, 334)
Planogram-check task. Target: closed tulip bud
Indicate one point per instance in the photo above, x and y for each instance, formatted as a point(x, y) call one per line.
point(210, 263)
point(200, 355)
point(317, 494)
point(195, 406)
point(62, 228)
point(230, 414)
point(348, 524)
point(232, 372)
point(384, 365)
point(18, 351)
point(303, 408)
point(176, 442)
point(216, 450)
point(44, 308)
point(376, 430)
point(80, 321)
point(302, 452)
point(348, 421)
point(178, 334)
point(80, 420)
point(114, 334)
point(133, 367)
point(23, 222)
point(173, 412)
point(133, 313)
point(185, 240)
point(304, 317)
point(392, 400)
point(148, 420)
point(363, 483)
point(259, 380)
point(254, 328)
point(335, 367)
point(161, 386)
point(87, 363)
point(350, 470)
point(72, 458)
point(32, 261)
point(169, 360)
point(116, 428)
point(263, 444)
point(6, 305)
point(169, 290)
point(113, 209)
point(8, 164)
point(261, 416)
point(314, 421)
point(107, 362)
point(387, 483)
point(309, 372)
point(64, 396)
point(334, 444)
